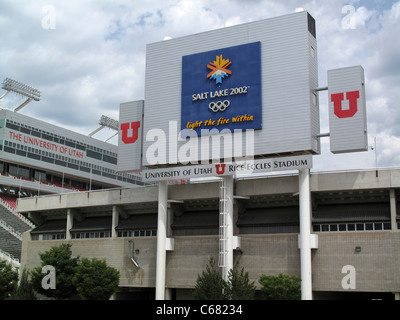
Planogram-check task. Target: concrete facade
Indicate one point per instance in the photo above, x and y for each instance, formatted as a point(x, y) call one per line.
point(374, 254)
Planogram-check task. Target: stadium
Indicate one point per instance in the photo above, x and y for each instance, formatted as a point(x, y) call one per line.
point(354, 216)
point(38, 158)
point(240, 150)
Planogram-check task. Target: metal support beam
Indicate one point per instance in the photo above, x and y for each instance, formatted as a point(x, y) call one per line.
point(305, 234)
point(161, 239)
point(4, 94)
point(95, 131)
point(23, 104)
point(320, 135)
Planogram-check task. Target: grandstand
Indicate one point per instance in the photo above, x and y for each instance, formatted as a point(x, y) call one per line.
point(38, 158)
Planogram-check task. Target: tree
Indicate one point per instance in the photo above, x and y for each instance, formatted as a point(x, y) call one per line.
point(210, 285)
point(24, 290)
point(94, 280)
point(65, 267)
point(8, 279)
point(281, 287)
point(239, 286)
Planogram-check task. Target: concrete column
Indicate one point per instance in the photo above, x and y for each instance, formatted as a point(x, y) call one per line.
point(170, 219)
point(114, 223)
point(168, 294)
point(393, 209)
point(70, 223)
point(305, 234)
point(161, 239)
point(229, 185)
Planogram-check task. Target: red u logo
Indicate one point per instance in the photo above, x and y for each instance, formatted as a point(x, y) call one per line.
point(220, 168)
point(125, 127)
point(337, 99)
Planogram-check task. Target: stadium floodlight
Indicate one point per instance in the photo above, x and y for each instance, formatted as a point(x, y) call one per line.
point(29, 92)
point(106, 122)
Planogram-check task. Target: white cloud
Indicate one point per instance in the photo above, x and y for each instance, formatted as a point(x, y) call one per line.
point(388, 148)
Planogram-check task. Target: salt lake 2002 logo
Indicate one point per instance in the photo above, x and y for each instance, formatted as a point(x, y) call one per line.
point(219, 69)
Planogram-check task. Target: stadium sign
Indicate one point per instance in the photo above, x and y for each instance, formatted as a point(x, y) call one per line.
point(224, 169)
point(347, 110)
point(221, 89)
point(257, 76)
point(43, 144)
point(247, 91)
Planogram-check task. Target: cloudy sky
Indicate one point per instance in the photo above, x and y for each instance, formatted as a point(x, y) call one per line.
point(89, 56)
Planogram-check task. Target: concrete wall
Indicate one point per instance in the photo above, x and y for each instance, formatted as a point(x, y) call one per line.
point(376, 266)
point(115, 251)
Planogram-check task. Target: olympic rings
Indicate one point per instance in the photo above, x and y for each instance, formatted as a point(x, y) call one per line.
point(219, 105)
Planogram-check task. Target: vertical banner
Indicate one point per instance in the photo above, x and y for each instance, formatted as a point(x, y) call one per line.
point(130, 136)
point(347, 110)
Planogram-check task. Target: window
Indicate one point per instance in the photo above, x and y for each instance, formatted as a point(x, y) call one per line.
point(110, 159)
point(137, 233)
point(40, 175)
point(94, 155)
point(369, 226)
point(12, 126)
point(70, 143)
point(91, 235)
point(48, 236)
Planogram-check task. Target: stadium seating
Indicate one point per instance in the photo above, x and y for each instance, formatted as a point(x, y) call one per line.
point(11, 201)
point(9, 242)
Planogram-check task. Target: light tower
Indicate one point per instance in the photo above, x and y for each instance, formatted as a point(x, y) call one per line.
point(22, 89)
point(106, 122)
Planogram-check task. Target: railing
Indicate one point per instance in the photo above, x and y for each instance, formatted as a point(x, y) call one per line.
point(10, 229)
point(18, 215)
point(10, 258)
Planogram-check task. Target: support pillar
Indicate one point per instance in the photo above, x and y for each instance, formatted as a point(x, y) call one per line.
point(228, 198)
point(393, 209)
point(70, 223)
point(305, 234)
point(114, 223)
point(161, 239)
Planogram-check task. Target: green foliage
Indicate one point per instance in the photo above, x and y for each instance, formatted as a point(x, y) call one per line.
point(8, 279)
point(24, 290)
point(239, 286)
point(65, 268)
point(210, 285)
point(91, 279)
point(281, 287)
point(94, 280)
